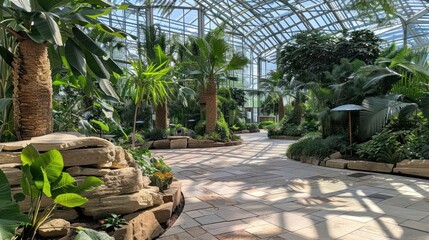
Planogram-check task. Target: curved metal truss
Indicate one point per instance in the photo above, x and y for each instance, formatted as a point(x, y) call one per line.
point(265, 25)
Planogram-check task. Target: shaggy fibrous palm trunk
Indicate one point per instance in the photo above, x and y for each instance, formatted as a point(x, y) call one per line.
point(281, 109)
point(32, 95)
point(297, 109)
point(202, 99)
point(161, 116)
point(211, 105)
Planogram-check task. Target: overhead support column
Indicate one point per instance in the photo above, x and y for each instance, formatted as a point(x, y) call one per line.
point(201, 23)
point(149, 15)
point(340, 21)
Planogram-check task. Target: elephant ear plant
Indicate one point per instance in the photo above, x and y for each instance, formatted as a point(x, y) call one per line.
point(42, 175)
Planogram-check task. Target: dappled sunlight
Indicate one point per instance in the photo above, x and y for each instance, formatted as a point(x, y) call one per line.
point(240, 190)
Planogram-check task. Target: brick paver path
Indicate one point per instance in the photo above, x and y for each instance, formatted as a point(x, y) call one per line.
point(253, 191)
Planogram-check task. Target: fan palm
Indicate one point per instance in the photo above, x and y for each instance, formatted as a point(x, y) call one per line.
point(37, 25)
point(276, 88)
point(207, 61)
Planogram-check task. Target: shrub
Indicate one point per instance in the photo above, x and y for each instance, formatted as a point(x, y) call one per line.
point(200, 127)
point(252, 126)
point(337, 143)
point(265, 124)
point(312, 147)
point(223, 129)
point(156, 134)
point(385, 146)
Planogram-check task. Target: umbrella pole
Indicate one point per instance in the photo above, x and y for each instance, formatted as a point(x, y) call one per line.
point(350, 132)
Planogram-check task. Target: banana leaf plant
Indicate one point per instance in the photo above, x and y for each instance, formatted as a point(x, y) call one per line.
point(57, 27)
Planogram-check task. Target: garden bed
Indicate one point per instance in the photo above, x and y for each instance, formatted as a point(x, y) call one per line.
point(416, 167)
point(180, 142)
point(285, 137)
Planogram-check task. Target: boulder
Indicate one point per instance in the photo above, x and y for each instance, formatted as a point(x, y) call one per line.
point(13, 175)
point(141, 226)
point(87, 171)
point(370, 166)
point(54, 228)
point(413, 167)
point(119, 160)
point(310, 160)
point(122, 204)
point(118, 182)
point(178, 143)
point(10, 157)
point(337, 163)
point(162, 212)
point(60, 141)
point(68, 214)
point(161, 144)
point(336, 155)
point(89, 156)
point(173, 194)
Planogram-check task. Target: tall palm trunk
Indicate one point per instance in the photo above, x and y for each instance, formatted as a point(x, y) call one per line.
point(203, 100)
point(281, 109)
point(297, 109)
point(211, 105)
point(32, 94)
point(161, 116)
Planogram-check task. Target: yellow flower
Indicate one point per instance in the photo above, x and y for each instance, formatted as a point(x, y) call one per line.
point(168, 175)
point(159, 175)
point(158, 165)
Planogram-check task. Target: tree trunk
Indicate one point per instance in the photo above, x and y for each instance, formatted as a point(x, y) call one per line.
point(297, 110)
point(281, 109)
point(161, 116)
point(211, 105)
point(202, 98)
point(32, 94)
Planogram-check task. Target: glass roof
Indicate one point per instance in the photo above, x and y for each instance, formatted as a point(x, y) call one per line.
point(266, 25)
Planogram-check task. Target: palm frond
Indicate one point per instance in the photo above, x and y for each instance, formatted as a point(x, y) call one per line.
point(377, 113)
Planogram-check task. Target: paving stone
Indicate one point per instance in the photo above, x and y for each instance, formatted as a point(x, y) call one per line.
point(337, 163)
point(245, 184)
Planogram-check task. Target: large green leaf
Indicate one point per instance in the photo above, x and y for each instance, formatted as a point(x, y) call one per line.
point(48, 28)
point(96, 66)
point(6, 55)
point(10, 215)
point(89, 184)
point(48, 5)
point(23, 4)
point(70, 200)
point(64, 184)
point(75, 57)
point(87, 42)
point(29, 154)
point(89, 234)
point(5, 103)
point(108, 89)
point(52, 162)
point(378, 111)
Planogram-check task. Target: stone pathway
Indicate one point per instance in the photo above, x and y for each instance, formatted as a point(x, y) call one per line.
point(253, 191)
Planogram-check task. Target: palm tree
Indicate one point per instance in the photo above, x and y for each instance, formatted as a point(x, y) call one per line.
point(277, 89)
point(38, 25)
point(208, 59)
point(150, 84)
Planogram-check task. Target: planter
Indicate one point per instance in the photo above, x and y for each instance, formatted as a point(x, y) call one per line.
point(370, 166)
point(413, 167)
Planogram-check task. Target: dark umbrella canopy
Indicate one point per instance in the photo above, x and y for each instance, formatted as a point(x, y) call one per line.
point(349, 108)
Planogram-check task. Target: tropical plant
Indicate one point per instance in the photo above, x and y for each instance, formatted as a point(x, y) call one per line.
point(311, 147)
point(150, 84)
point(207, 60)
point(42, 175)
point(156, 134)
point(277, 88)
point(10, 215)
point(112, 222)
point(37, 24)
